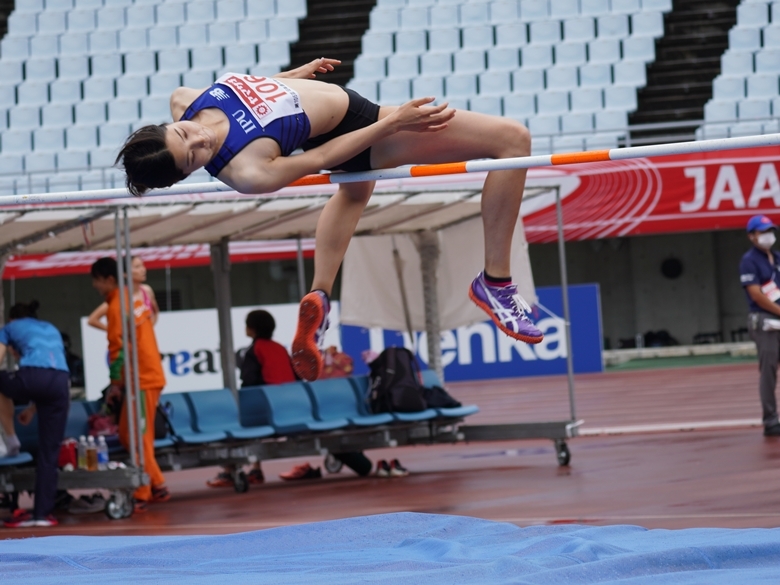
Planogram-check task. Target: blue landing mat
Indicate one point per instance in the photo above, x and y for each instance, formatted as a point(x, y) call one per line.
point(404, 548)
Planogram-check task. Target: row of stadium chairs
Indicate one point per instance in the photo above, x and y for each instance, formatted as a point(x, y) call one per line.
point(444, 13)
point(115, 16)
point(538, 75)
point(113, 65)
point(611, 26)
point(69, 91)
point(107, 44)
point(100, 177)
point(506, 41)
point(749, 109)
point(265, 411)
point(463, 87)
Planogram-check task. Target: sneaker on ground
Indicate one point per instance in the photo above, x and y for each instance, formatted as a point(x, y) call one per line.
point(223, 479)
point(303, 471)
point(255, 477)
point(398, 470)
point(772, 430)
point(506, 308)
point(140, 506)
point(46, 522)
point(20, 519)
point(160, 493)
point(312, 325)
point(382, 468)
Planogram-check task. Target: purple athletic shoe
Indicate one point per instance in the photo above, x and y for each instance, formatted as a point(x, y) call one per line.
point(506, 308)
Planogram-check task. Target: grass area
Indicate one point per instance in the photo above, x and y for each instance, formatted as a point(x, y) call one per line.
point(682, 362)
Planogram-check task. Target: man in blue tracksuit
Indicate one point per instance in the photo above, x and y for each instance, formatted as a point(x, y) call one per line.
point(43, 382)
point(759, 273)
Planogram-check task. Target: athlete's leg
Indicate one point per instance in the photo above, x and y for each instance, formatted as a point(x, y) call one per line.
point(335, 227)
point(469, 136)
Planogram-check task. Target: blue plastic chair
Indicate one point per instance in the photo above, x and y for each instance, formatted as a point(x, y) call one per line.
point(335, 398)
point(430, 378)
point(361, 383)
point(78, 420)
point(181, 419)
point(289, 410)
point(216, 410)
point(17, 460)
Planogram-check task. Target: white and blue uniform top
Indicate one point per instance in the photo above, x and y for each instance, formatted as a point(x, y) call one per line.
point(38, 343)
point(257, 107)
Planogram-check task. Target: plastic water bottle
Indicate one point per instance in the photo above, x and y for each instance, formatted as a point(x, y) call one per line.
point(92, 456)
point(82, 453)
point(102, 453)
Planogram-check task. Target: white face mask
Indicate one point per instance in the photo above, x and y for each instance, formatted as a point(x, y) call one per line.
point(766, 240)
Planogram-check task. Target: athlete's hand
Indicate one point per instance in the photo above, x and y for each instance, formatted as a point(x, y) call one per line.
point(310, 70)
point(417, 116)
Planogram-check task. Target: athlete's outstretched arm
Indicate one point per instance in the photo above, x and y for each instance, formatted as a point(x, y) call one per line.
point(274, 174)
point(310, 70)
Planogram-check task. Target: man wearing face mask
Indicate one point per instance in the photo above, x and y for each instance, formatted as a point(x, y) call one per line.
point(759, 273)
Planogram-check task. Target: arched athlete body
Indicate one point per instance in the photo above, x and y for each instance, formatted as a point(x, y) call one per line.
point(243, 129)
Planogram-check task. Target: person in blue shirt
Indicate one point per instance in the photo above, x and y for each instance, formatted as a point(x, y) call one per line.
point(43, 382)
point(759, 273)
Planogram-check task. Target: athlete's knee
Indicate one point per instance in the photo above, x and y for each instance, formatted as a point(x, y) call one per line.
point(514, 139)
point(357, 192)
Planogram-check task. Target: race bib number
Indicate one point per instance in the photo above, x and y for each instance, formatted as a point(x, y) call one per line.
point(771, 290)
point(266, 99)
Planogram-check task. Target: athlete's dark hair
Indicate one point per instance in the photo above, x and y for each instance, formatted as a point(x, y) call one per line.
point(22, 310)
point(104, 267)
point(262, 323)
point(147, 161)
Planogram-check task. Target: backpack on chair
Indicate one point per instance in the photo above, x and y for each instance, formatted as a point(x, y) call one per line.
point(395, 382)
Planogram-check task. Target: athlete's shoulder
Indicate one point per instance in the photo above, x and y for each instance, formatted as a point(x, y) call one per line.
point(181, 98)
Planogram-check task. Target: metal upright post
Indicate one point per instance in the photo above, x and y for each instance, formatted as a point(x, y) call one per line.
point(139, 407)
point(565, 294)
point(301, 269)
point(220, 266)
point(427, 243)
point(129, 394)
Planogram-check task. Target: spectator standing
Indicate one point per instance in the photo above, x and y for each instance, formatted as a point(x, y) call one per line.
point(142, 291)
point(760, 276)
point(150, 373)
point(42, 380)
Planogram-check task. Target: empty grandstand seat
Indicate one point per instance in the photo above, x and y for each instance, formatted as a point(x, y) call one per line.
point(503, 58)
point(647, 24)
point(286, 407)
point(216, 410)
point(553, 103)
point(762, 86)
point(536, 56)
point(604, 51)
point(720, 111)
point(528, 81)
point(182, 421)
point(570, 53)
point(427, 86)
point(486, 104)
point(336, 398)
point(753, 108)
point(519, 106)
point(511, 35)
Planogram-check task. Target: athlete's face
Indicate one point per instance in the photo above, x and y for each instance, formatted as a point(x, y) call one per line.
point(191, 144)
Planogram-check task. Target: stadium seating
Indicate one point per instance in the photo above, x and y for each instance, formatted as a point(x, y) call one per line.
point(94, 70)
point(746, 95)
point(536, 61)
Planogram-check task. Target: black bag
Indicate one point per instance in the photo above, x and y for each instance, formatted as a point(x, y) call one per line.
point(437, 397)
point(162, 423)
point(395, 382)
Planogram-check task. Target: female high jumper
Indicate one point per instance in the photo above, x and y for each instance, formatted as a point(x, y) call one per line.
point(244, 128)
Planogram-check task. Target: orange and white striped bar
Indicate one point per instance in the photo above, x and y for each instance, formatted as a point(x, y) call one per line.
point(475, 166)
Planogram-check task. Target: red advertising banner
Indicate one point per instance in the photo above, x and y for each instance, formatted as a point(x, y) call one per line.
point(708, 191)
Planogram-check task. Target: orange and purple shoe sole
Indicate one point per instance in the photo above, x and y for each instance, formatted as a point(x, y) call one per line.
point(533, 339)
point(306, 355)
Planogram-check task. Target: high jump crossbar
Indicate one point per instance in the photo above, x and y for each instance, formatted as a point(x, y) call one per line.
point(457, 168)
